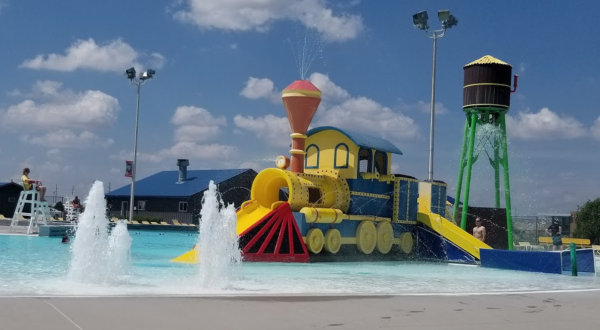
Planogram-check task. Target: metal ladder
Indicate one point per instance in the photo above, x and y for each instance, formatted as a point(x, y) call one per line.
point(38, 214)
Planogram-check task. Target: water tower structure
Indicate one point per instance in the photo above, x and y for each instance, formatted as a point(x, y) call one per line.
point(486, 100)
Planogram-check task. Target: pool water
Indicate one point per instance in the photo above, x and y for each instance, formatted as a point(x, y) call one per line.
point(38, 266)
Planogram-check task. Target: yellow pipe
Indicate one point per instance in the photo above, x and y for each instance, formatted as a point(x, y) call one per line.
point(369, 175)
point(367, 218)
point(386, 178)
point(322, 215)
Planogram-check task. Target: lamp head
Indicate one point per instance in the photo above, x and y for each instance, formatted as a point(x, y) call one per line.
point(420, 20)
point(447, 19)
point(130, 73)
point(443, 15)
point(149, 74)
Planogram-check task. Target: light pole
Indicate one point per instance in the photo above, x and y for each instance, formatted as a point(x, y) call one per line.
point(144, 76)
point(420, 22)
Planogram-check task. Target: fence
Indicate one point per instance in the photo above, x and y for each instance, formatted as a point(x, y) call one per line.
point(165, 216)
point(531, 228)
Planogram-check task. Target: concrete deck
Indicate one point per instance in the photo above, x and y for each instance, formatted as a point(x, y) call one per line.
point(485, 312)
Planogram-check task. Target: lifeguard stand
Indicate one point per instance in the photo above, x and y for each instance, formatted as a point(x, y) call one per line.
point(38, 214)
point(486, 100)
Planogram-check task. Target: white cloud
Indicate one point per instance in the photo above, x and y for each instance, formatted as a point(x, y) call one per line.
point(595, 129)
point(271, 129)
point(14, 92)
point(196, 133)
point(338, 109)
point(190, 115)
point(68, 139)
point(425, 107)
point(63, 108)
point(345, 111)
point(331, 93)
point(53, 152)
point(257, 88)
point(382, 121)
point(156, 61)
point(193, 125)
point(87, 54)
point(196, 124)
point(544, 125)
point(192, 150)
point(245, 15)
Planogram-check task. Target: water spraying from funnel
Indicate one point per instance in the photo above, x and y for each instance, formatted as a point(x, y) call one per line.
point(97, 255)
point(218, 246)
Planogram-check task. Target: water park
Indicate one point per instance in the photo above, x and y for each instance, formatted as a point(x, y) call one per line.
point(332, 211)
point(331, 220)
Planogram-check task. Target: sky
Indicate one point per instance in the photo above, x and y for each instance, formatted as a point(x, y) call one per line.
point(68, 112)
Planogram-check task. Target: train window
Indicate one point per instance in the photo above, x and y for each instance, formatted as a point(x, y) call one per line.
point(314, 195)
point(380, 163)
point(341, 156)
point(312, 157)
point(364, 161)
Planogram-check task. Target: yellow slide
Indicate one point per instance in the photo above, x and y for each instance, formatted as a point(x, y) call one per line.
point(250, 212)
point(451, 232)
point(248, 215)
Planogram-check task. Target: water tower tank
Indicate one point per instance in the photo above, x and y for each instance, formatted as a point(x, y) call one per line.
point(487, 84)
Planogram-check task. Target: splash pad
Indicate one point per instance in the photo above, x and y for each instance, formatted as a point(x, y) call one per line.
point(342, 203)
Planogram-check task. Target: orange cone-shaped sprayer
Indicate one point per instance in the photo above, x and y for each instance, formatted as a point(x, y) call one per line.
point(301, 100)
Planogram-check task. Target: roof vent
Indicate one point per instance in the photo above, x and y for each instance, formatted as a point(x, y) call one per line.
point(183, 164)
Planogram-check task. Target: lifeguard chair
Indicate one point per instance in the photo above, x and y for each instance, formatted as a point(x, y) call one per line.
point(38, 211)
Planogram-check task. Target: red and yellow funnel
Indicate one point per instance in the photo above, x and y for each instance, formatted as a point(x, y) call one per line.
point(301, 100)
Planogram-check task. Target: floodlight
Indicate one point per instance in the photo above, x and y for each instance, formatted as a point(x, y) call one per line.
point(450, 22)
point(420, 20)
point(147, 74)
point(443, 15)
point(130, 73)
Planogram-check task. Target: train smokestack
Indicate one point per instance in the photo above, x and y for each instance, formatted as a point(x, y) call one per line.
point(301, 100)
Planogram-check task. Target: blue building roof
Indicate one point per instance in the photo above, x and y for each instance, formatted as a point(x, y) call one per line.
point(5, 183)
point(361, 139)
point(164, 184)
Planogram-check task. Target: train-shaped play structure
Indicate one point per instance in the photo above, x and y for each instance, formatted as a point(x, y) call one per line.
point(336, 199)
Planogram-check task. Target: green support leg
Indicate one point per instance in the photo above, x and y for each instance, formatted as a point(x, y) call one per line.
point(509, 226)
point(465, 209)
point(461, 170)
point(496, 166)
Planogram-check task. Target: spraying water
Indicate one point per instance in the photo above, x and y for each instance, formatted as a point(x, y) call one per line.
point(217, 241)
point(306, 50)
point(98, 256)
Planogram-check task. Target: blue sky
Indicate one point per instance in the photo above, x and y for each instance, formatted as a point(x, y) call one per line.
point(67, 111)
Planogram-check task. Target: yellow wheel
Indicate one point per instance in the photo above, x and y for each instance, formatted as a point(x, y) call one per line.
point(314, 240)
point(406, 243)
point(333, 241)
point(366, 237)
point(385, 237)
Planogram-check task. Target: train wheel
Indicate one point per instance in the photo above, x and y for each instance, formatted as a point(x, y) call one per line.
point(406, 243)
point(333, 241)
point(366, 236)
point(314, 240)
point(385, 237)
